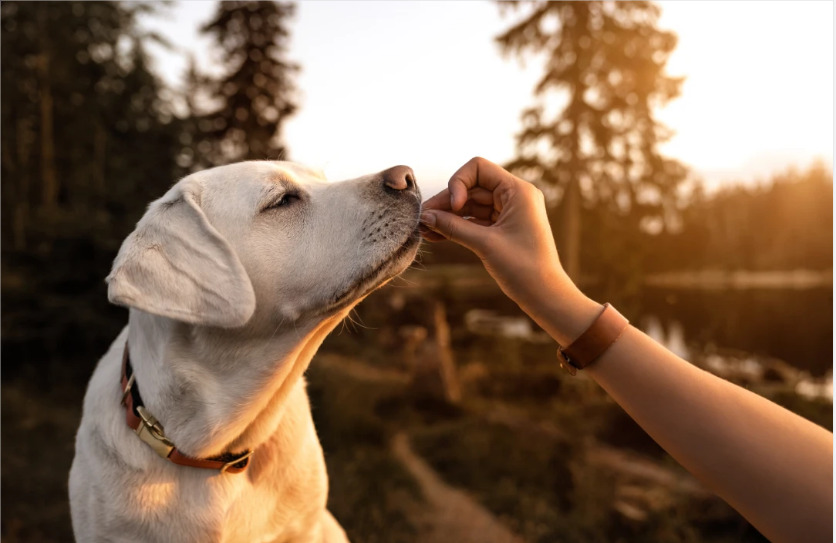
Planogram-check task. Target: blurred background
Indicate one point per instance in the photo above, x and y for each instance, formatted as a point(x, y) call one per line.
point(686, 152)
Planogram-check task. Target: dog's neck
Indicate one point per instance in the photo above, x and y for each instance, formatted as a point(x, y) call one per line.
point(217, 390)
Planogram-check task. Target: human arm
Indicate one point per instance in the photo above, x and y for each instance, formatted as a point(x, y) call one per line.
point(771, 465)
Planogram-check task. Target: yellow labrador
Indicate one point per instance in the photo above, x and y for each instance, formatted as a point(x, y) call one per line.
point(196, 423)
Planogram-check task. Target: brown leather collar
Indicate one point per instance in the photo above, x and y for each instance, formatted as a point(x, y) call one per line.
point(151, 431)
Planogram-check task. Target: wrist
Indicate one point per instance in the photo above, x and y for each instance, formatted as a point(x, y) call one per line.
point(563, 311)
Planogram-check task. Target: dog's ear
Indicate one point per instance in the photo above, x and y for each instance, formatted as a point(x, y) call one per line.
point(177, 265)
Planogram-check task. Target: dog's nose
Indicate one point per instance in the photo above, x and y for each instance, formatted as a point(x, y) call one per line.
point(399, 178)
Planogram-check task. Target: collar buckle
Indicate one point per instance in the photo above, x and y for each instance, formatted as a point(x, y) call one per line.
point(151, 432)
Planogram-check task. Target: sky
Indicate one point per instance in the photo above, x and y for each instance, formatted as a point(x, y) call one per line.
point(424, 84)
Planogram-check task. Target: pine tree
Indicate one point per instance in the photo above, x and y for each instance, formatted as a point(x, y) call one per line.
point(255, 96)
point(88, 141)
point(196, 148)
point(58, 58)
point(144, 142)
point(90, 125)
point(598, 151)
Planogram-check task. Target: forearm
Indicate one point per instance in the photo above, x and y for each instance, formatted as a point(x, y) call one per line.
point(773, 466)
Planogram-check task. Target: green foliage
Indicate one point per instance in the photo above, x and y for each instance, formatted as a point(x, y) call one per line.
point(591, 138)
point(783, 224)
point(91, 136)
point(86, 109)
point(247, 105)
point(88, 140)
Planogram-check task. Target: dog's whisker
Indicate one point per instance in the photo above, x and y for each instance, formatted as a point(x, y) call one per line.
point(358, 321)
point(343, 327)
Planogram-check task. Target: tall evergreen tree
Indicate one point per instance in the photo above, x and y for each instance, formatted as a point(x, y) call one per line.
point(255, 96)
point(88, 140)
point(597, 149)
point(56, 56)
point(196, 149)
point(81, 104)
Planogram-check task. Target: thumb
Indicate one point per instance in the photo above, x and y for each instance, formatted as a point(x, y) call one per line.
point(455, 228)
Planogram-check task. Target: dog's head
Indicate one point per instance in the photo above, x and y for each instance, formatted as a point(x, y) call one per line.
point(272, 239)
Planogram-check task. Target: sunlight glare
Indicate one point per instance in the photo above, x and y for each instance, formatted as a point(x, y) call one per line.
point(759, 85)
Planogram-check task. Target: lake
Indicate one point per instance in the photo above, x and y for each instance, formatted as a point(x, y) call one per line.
point(791, 324)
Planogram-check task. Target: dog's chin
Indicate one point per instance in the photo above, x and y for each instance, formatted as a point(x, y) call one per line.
point(397, 262)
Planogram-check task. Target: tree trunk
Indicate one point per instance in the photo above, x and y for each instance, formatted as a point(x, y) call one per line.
point(21, 181)
point(49, 180)
point(99, 156)
point(449, 376)
point(434, 375)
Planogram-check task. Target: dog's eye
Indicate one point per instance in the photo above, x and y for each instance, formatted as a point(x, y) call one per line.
point(286, 199)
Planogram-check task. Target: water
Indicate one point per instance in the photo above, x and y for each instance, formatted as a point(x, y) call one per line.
point(793, 325)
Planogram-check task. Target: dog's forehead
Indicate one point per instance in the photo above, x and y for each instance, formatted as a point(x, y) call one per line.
point(302, 172)
point(260, 172)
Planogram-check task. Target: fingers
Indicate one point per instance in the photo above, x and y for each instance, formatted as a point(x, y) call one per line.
point(429, 235)
point(477, 172)
point(439, 201)
point(478, 214)
point(433, 236)
point(481, 196)
point(478, 190)
point(470, 233)
point(472, 209)
point(442, 199)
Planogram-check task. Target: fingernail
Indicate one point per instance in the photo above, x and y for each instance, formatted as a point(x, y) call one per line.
point(428, 218)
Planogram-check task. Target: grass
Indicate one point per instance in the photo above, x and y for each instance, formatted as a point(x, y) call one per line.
point(543, 488)
point(38, 434)
point(523, 479)
point(371, 495)
point(537, 482)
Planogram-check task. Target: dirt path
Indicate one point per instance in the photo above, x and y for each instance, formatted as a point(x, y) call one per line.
point(453, 515)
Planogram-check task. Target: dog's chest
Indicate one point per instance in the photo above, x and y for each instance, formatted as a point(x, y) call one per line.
point(275, 500)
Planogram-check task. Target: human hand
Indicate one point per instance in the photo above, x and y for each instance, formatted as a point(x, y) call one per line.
point(507, 228)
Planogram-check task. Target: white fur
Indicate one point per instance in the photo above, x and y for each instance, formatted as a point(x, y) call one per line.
point(228, 303)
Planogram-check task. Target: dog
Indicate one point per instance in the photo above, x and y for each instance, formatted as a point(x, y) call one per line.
point(196, 423)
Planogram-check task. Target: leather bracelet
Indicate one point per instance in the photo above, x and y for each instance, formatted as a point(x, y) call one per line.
point(589, 346)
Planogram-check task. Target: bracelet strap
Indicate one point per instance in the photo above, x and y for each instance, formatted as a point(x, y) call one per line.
point(599, 337)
